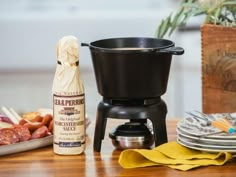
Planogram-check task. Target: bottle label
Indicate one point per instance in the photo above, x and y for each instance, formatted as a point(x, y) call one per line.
point(69, 121)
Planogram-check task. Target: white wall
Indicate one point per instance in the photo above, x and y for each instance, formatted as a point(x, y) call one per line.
point(30, 29)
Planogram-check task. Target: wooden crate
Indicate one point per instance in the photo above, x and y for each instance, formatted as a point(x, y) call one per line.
point(218, 69)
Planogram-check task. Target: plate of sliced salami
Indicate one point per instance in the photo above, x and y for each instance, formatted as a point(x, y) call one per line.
point(31, 130)
point(25, 132)
point(26, 145)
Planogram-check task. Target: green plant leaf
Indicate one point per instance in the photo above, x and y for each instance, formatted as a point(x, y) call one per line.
point(222, 13)
point(164, 27)
point(229, 3)
point(199, 12)
point(176, 21)
point(158, 31)
point(217, 14)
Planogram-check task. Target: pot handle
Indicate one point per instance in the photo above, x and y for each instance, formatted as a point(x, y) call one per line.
point(172, 50)
point(84, 44)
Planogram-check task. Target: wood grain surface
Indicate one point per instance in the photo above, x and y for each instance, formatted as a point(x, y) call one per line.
point(218, 68)
point(44, 163)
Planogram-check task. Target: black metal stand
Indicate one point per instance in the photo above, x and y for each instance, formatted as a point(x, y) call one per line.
point(154, 109)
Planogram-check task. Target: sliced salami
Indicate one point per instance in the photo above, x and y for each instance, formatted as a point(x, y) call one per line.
point(2, 142)
point(5, 119)
point(22, 132)
point(40, 132)
point(50, 127)
point(8, 136)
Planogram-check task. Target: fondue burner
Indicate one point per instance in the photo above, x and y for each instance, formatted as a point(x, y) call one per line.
point(137, 110)
point(131, 76)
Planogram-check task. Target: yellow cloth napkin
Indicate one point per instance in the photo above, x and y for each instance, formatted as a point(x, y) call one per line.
point(172, 155)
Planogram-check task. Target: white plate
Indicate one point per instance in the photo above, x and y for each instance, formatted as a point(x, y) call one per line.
point(25, 145)
point(194, 133)
point(198, 144)
point(198, 127)
point(200, 148)
point(208, 140)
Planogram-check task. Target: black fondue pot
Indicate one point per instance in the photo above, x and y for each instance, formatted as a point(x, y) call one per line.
point(132, 68)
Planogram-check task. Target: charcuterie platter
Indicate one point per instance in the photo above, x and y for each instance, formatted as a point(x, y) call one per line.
point(25, 132)
point(26, 145)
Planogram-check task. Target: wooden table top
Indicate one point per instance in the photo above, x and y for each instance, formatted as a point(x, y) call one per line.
point(44, 163)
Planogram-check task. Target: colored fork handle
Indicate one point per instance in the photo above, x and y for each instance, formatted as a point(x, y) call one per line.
point(226, 121)
point(223, 126)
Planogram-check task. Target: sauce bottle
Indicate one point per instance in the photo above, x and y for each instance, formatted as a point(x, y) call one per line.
point(68, 100)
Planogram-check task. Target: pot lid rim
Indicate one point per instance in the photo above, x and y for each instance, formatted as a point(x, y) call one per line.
point(92, 45)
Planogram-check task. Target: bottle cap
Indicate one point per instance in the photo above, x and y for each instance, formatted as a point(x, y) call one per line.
point(68, 51)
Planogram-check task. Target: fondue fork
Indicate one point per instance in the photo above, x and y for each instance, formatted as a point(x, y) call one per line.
point(223, 118)
point(220, 123)
point(208, 123)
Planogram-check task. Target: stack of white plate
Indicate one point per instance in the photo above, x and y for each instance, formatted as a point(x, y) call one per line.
point(196, 134)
